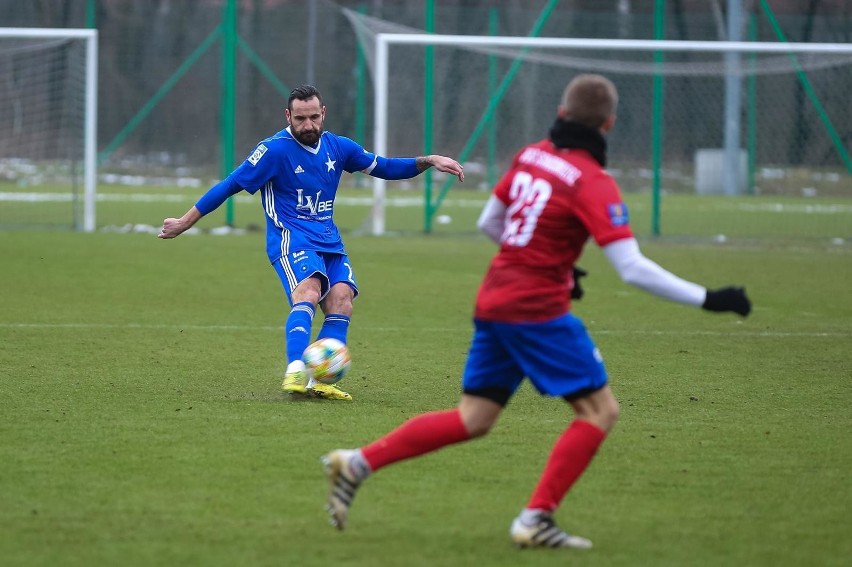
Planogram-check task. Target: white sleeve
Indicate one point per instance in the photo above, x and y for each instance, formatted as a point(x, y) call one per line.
point(491, 219)
point(637, 270)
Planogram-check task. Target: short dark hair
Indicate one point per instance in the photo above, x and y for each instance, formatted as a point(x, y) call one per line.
point(303, 92)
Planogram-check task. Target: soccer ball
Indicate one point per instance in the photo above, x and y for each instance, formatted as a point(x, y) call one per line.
point(327, 360)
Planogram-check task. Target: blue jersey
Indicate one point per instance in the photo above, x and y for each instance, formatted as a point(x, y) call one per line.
point(298, 184)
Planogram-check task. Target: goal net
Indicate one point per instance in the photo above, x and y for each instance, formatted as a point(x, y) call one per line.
point(713, 139)
point(47, 128)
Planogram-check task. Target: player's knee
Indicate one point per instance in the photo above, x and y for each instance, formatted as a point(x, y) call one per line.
point(338, 300)
point(609, 413)
point(307, 291)
point(600, 408)
point(478, 428)
point(478, 415)
point(605, 409)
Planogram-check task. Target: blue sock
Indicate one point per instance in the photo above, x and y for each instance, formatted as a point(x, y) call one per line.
point(298, 330)
point(335, 326)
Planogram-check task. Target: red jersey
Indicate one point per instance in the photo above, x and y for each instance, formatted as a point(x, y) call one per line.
point(555, 199)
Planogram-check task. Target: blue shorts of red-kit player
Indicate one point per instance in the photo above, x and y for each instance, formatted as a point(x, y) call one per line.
point(558, 356)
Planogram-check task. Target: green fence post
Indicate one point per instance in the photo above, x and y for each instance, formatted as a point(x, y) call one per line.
point(657, 120)
point(91, 14)
point(491, 166)
point(229, 71)
point(428, 86)
point(751, 109)
point(361, 77)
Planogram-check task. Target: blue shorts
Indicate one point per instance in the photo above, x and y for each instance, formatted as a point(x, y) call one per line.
point(558, 357)
point(329, 268)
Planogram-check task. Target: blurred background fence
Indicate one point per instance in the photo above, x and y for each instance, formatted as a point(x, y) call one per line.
point(186, 88)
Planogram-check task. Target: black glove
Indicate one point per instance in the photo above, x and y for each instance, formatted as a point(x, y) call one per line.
point(728, 299)
point(577, 290)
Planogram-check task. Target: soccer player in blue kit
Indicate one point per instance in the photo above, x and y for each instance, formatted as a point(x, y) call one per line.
point(297, 172)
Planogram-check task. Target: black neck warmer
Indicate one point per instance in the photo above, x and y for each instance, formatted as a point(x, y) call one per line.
point(565, 134)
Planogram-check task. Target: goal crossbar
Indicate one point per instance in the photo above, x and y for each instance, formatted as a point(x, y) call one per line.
point(612, 44)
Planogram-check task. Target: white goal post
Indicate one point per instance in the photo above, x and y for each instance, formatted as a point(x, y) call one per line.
point(492, 44)
point(89, 160)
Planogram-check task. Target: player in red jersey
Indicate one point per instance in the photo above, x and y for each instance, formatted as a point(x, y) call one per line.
point(542, 212)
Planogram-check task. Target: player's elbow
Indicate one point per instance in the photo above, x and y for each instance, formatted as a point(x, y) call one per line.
point(629, 274)
point(491, 230)
point(482, 226)
point(630, 279)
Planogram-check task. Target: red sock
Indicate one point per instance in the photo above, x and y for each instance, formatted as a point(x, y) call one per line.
point(421, 434)
point(569, 457)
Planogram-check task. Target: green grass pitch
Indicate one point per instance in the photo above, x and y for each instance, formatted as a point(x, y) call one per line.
point(141, 421)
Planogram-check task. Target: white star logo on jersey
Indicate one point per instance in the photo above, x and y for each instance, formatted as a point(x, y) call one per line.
point(298, 169)
point(330, 164)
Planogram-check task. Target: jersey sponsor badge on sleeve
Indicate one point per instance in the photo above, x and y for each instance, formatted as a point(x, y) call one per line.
point(617, 214)
point(257, 154)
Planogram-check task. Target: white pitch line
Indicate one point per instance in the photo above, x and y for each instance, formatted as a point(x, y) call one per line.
point(278, 328)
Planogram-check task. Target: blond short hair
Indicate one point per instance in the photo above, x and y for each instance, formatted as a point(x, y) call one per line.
point(589, 100)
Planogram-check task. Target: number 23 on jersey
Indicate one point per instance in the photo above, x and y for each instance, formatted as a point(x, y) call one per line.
point(529, 195)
